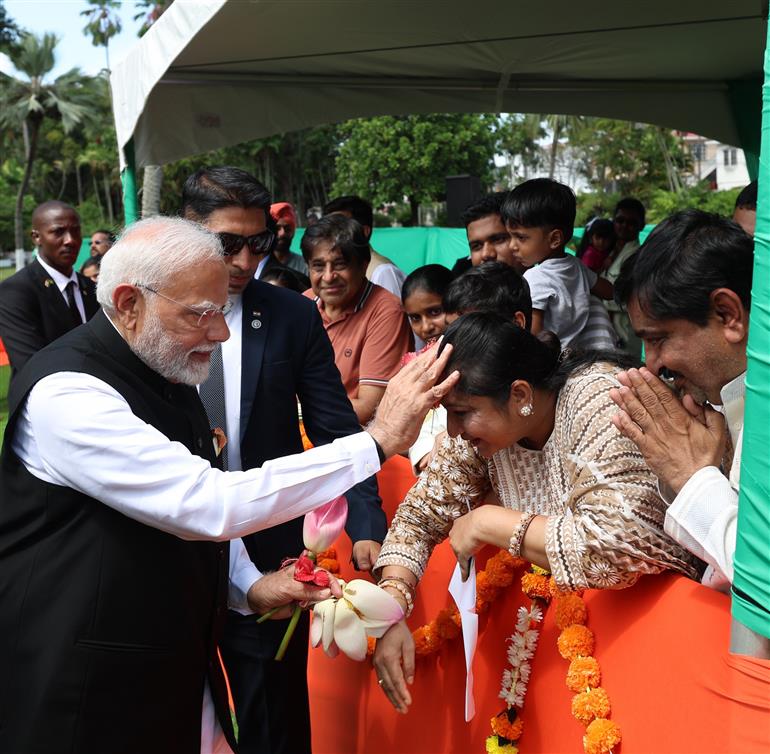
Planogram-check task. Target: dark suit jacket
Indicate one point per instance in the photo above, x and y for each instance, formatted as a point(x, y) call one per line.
point(34, 314)
point(272, 263)
point(285, 354)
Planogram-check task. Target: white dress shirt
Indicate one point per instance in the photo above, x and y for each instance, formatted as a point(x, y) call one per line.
point(62, 281)
point(77, 431)
point(703, 517)
point(231, 362)
point(389, 277)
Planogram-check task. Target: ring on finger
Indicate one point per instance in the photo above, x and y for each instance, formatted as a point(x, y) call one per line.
point(380, 681)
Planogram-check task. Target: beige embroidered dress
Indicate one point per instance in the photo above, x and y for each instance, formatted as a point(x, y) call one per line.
point(605, 517)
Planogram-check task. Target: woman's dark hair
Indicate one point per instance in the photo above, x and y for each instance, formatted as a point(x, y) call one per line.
point(284, 278)
point(91, 262)
point(210, 189)
point(683, 260)
point(602, 228)
point(343, 233)
point(490, 287)
point(433, 278)
point(491, 353)
point(541, 203)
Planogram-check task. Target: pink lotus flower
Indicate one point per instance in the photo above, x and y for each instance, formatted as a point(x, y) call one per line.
point(323, 525)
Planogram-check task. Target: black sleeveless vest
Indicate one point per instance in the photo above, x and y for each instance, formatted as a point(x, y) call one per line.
point(108, 627)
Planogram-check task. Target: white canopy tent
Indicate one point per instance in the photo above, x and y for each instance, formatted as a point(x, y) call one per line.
point(211, 73)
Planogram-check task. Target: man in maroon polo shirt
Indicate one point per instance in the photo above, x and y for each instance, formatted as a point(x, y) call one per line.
point(365, 323)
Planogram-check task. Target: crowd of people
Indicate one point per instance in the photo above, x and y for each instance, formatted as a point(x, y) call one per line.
point(513, 382)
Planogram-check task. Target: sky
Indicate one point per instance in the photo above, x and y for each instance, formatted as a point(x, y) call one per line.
point(62, 17)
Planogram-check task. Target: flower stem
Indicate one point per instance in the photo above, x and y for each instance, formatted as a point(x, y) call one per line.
point(269, 614)
point(289, 633)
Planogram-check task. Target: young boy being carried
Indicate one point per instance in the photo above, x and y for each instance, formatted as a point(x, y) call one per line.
point(540, 216)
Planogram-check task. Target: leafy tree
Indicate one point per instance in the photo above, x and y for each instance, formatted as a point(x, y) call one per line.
point(9, 31)
point(150, 12)
point(389, 158)
point(103, 23)
point(625, 157)
point(26, 103)
point(518, 137)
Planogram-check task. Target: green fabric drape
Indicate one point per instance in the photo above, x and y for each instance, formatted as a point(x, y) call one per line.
point(751, 584)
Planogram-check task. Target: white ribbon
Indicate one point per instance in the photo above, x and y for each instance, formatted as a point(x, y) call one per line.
point(464, 595)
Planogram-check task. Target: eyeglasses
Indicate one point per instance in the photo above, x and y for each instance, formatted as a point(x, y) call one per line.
point(259, 243)
point(204, 315)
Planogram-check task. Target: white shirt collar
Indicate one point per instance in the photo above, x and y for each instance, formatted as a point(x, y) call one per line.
point(733, 396)
point(60, 280)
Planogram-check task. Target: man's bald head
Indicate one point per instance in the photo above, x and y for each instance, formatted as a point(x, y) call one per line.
point(43, 210)
point(56, 233)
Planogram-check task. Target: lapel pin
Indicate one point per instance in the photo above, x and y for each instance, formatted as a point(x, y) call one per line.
point(48, 282)
point(256, 324)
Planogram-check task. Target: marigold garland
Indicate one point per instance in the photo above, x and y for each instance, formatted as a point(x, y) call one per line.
point(499, 572)
point(570, 609)
point(575, 640)
point(591, 703)
point(493, 746)
point(601, 736)
point(584, 673)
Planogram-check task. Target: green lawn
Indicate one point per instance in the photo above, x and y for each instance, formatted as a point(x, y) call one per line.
point(6, 272)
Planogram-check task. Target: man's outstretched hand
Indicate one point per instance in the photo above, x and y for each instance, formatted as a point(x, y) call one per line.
point(409, 397)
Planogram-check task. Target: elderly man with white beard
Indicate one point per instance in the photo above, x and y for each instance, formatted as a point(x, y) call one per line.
point(115, 573)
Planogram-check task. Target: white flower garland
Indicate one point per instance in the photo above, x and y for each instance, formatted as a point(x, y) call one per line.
point(523, 643)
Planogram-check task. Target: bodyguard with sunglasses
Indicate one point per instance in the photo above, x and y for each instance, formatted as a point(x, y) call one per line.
point(278, 352)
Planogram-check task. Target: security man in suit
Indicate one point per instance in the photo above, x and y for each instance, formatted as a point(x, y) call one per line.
point(46, 299)
point(277, 353)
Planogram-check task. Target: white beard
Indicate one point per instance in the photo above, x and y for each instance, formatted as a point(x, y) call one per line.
point(160, 352)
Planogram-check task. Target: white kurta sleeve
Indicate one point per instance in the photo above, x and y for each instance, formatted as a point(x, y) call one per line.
point(243, 574)
point(704, 517)
point(77, 431)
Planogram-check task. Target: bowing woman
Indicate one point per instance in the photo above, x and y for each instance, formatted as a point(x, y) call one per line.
point(575, 496)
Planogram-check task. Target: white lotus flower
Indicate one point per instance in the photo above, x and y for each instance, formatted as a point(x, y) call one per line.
point(343, 624)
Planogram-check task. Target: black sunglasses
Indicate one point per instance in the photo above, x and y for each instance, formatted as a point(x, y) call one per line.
point(259, 243)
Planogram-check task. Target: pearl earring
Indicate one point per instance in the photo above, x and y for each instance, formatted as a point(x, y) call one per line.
point(526, 409)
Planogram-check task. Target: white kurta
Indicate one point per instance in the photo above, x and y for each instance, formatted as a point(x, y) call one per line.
point(77, 431)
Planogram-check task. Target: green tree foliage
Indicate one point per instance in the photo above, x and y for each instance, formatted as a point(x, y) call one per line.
point(389, 158)
point(517, 139)
point(626, 158)
point(102, 24)
point(27, 102)
point(296, 167)
point(9, 31)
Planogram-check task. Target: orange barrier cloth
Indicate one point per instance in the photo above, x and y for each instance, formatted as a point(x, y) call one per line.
point(662, 646)
point(3, 356)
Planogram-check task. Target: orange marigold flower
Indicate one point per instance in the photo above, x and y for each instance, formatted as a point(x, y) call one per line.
point(574, 641)
point(329, 564)
point(601, 736)
point(570, 609)
point(426, 640)
point(371, 643)
point(501, 726)
point(485, 590)
point(448, 623)
point(330, 553)
point(590, 704)
point(535, 585)
point(583, 673)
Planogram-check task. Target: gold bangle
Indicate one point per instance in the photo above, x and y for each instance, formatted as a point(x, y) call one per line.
point(517, 536)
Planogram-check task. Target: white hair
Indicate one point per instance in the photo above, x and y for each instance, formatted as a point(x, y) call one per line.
point(153, 252)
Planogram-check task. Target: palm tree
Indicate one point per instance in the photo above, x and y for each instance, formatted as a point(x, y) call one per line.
point(26, 102)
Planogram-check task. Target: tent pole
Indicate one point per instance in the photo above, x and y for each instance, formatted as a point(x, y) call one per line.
point(128, 178)
point(751, 584)
point(746, 103)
